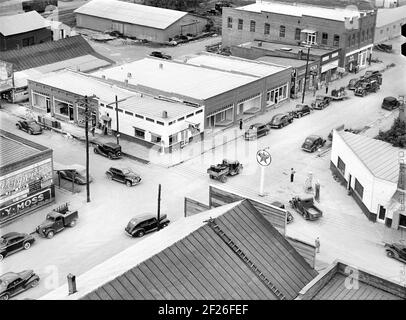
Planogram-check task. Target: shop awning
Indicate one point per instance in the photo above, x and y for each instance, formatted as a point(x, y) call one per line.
point(308, 31)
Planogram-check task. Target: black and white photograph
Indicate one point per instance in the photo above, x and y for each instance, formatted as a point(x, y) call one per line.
point(206, 155)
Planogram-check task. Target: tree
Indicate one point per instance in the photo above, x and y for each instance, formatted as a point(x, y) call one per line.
point(396, 135)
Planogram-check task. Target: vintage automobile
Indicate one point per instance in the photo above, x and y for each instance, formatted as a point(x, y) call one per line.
point(367, 87)
point(29, 126)
point(224, 169)
point(396, 251)
point(14, 241)
point(123, 175)
point(110, 150)
point(280, 120)
point(321, 102)
point(12, 283)
point(352, 83)
point(159, 54)
point(75, 173)
point(312, 143)
point(56, 221)
point(306, 208)
point(139, 226)
point(300, 111)
point(289, 216)
point(255, 131)
point(390, 103)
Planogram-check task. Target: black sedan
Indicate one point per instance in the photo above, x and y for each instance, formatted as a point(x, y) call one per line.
point(159, 54)
point(300, 110)
point(75, 172)
point(124, 175)
point(280, 120)
point(312, 143)
point(14, 241)
point(12, 283)
point(29, 126)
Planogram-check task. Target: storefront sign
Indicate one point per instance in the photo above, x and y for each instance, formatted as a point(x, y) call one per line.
point(25, 204)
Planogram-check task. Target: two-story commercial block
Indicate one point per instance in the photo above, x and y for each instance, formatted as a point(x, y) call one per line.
point(350, 30)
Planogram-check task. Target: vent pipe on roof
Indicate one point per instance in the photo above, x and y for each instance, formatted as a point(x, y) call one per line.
point(164, 114)
point(161, 66)
point(260, 44)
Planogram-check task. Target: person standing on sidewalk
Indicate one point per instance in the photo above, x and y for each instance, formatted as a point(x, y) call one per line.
point(326, 88)
point(292, 174)
point(92, 130)
point(240, 124)
point(317, 244)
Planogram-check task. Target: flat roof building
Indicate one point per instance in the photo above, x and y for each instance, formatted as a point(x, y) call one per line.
point(26, 176)
point(136, 20)
point(227, 87)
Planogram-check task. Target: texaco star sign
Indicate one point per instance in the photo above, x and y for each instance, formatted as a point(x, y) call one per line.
point(264, 158)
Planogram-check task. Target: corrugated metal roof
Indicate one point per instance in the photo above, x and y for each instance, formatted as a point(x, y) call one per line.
point(234, 64)
point(51, 52)
point(131, 13)
point(191, 81)
point(380, 157)
point(202, 266)
point(20, 23)
point(390, 15)
point(299, 10)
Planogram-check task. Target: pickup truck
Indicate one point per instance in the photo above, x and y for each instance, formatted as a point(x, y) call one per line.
point(56, 221)
point(306, 208)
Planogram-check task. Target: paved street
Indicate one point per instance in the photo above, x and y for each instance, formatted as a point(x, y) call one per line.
point(344, 231)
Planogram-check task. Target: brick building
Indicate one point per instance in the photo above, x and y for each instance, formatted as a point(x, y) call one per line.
point(23, 30)
point(26, 180)
point(350, 30)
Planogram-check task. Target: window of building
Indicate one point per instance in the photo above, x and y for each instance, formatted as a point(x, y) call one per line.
point(402, 220)
point(139, 133)
point(190, 115)
point(150, 120)
point(120, 110)
point(63, 108)
point(359, 189)
point(160, 123)
point(341, 165)
point(102, 104)
point(173, 139)
point(252, 26)
point(297, 33)
point(324, 38)
point(139, 116)
point(171, 123)
point(311, 38)
point(199, 111)
point(129, 113)
point(353, 39)
point(381, 31)
point(182, 118)
point(367, 33)
point(363, 35)
point(240, 24)
point(282, 30)
point(349, 41)
point(229, 22)
point(267, 28)
point(336, 40)
point(155, 138)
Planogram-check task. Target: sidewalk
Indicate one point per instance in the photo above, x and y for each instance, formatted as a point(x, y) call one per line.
point(213, 138)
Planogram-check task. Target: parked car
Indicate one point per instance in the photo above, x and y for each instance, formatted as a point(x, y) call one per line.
point(14, 241)
point(300, 111)
point(224, 169)
point(320, 103)
point(110, 150)
point(123, 175)
point(12, 283)
point(352, 83)
point(255, 131)
point(139, 226)
point(75, 173)
point(56, 221)
point(367, 87)
point(159, 54)
point(312, 143)
point(29, 126)
point(289, 216)
point(390, 103)
point(396, 251)
point(306, 208)
point(280, 120)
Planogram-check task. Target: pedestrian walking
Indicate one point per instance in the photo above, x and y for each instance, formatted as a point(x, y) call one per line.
point(240, 124)
point(317, 244)
point(292, 174)
point(314, 91)
point(92, 130)
point(326, 88)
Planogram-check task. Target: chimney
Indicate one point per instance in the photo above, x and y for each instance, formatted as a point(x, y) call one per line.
point(72, 283)
point(164, 114)
point(260, 44)
point(402, 177)
point(161, 66)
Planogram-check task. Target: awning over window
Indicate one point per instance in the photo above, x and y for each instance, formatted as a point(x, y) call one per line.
point(308, 31)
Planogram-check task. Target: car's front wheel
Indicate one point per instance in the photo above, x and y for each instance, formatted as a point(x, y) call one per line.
point(34, 283)
point(128, 183)
point(50, 234)
point(4, 296)
point(30, 131)
point(1, 257)
point(390, 253)
point(72, 224)
point(140, 233)
point(95, 151)
point(110, 155)
point(27, 245)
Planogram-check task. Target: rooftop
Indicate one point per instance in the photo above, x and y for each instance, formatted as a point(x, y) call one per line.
point(274, 46)
point(14, 148)
point(191, 81)
point(390, 15)
point(337, 281)
point(61, 51)
point(20, 23)
point(234, 64)
point(131, 13)
point(380, 157)
point(299, 10)
point(189, 260)
point(295, 63)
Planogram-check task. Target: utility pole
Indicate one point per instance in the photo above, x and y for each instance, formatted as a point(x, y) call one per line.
point(307, 67)
point(158, 227)
point(117, 129)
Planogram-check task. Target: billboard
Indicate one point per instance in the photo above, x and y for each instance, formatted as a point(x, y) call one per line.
point(6, 76)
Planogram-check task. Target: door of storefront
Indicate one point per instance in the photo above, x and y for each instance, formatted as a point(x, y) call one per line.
point(381, 213)
point(48, 105)
point(71, 115)
point(184, 136)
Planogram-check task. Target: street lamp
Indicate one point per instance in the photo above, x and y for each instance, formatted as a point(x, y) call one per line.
point(307, 67)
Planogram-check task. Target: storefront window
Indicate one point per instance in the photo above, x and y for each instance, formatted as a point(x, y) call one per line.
point(240, 24)
point(267, 28)
point(173, 139)
point(229, 22)
point(297, 33)
point(139, 133)
point(155, 138)
point(252, 26)
point(402, 220)
point(341, 165)
point(359, 189)
point(64, 109)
